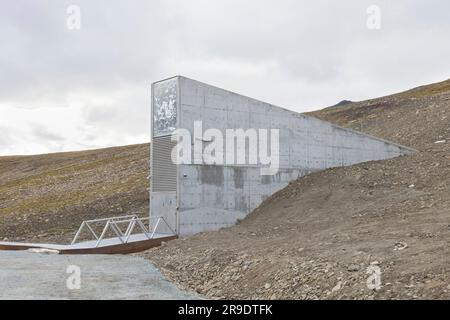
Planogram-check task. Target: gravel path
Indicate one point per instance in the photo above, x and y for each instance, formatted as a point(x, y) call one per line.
point(25, 275)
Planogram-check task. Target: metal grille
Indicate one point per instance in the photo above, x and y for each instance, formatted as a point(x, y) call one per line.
point(164, 171)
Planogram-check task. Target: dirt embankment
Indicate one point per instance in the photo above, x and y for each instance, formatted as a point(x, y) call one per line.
point(317, 237)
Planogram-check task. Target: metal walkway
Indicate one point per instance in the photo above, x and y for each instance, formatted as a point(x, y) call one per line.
point(132, 234)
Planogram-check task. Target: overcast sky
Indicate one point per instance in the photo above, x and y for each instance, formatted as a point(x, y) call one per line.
point(71, 89)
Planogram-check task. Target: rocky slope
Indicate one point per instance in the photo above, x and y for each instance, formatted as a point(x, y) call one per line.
point(318, 238)
point(46, 197)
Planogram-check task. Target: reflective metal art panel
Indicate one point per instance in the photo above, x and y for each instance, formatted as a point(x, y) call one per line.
point(165, 107)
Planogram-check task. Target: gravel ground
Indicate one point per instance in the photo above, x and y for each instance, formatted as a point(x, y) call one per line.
point(25, 275)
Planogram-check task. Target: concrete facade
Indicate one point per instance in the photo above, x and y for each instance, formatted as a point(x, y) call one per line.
point(210, 197)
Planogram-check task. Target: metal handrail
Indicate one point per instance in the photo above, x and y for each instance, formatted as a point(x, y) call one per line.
point(124, 237)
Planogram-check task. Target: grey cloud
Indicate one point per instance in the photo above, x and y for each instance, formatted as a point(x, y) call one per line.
point(45, 134)
point(113, 47)
point(307, 53)
point(6, 138)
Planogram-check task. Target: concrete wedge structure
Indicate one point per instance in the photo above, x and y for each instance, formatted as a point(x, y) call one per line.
point(196, 196)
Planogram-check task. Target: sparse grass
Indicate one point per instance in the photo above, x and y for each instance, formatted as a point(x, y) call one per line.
point(57, 201)
point(66, 183)
point(46, 203)
point(59, 174)
point(428, 90)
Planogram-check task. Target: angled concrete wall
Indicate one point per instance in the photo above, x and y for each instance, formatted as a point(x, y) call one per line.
point(215, 196)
